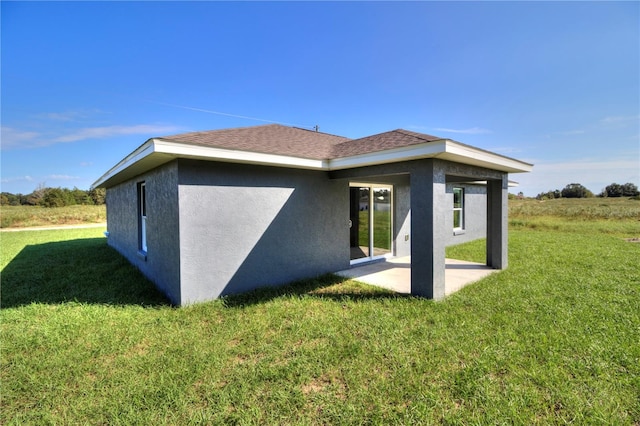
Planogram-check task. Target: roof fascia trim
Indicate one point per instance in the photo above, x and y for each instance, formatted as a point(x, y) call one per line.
point(136, 156)
point(164, 151)
point(492, 160)
point(443, 148)
point(405, 153)
point(179, 150)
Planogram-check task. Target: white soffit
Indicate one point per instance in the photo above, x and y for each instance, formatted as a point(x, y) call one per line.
point(156, 152)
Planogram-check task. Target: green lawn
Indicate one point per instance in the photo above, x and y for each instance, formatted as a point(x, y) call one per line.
point(553, 339)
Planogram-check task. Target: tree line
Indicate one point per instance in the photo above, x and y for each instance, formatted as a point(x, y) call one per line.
point(576, 190)
point(55, 197)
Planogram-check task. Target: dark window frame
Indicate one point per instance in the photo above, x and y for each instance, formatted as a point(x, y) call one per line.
point(459, 208)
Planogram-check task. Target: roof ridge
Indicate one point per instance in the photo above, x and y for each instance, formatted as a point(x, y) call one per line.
point(320, 133)
point(419, 135)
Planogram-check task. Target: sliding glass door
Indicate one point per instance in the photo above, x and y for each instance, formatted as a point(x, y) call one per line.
point(370, 220)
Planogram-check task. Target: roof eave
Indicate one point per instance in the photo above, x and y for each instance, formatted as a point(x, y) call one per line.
point(126, 168)
point(156, 152)
point(198, 152)
point(444, 149)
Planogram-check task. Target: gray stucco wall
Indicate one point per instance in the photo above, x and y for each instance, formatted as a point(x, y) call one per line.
point(475, 209)
point(218, 228)
point(475, 213)
point(402, 217)
point(161, 263)
point(244, 227)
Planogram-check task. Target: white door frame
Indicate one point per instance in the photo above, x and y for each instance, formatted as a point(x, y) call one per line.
point(371, 256)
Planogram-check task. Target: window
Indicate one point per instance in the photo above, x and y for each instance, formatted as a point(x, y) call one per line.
point(142, 217)
point(458, 208)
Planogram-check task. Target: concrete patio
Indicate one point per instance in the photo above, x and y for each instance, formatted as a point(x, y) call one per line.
point(395, 274)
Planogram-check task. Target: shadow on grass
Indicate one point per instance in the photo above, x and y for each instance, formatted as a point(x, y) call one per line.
point(89, 271)
point(328, 286)
point(82, 270)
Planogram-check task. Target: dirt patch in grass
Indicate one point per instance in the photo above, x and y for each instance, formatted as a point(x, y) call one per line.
point(324, 384)
point(632, 240)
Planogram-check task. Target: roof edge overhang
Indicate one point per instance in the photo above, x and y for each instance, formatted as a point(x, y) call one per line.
point(155, 152)
point(444, 149)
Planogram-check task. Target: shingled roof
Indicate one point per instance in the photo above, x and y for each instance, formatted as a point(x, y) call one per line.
point(283, 146)
point(293, 141)
point(268, 139)
point(382, 141)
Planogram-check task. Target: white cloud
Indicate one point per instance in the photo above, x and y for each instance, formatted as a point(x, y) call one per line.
point(61, 116)
point(108, 131)
point(61, 177)
point(14, 138)
point(620, 119)
point(471, 131)
point(70, 115)
point(587, 165)
point(572, 132)
point(26, 178)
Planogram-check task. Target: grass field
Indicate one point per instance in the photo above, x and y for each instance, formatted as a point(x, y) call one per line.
point(551, 340)
point(26, 216)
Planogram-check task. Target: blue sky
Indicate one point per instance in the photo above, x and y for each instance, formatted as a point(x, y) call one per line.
point(556, 84)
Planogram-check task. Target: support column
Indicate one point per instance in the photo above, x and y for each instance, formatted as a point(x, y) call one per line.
point(497, 222)
point(428, 206)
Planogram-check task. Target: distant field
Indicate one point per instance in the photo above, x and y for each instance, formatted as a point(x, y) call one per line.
point(25, 216)
point(582, 215)
point(522, 213)
point(577, 208)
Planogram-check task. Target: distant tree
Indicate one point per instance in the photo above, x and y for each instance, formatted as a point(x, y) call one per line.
point(9, 199)
point(575, 190)
point(54, 197)
point(630, 190)
point(549, 195)
point(613, 190)
point(98, 195)
point(58, 197)
point(35, 198)
point(81, 197)
point(617, 190)
point(22, 198)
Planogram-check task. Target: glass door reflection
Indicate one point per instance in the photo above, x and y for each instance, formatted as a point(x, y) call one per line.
point(370, 221)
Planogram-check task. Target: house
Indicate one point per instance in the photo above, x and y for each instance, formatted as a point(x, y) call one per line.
point(207, 214)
